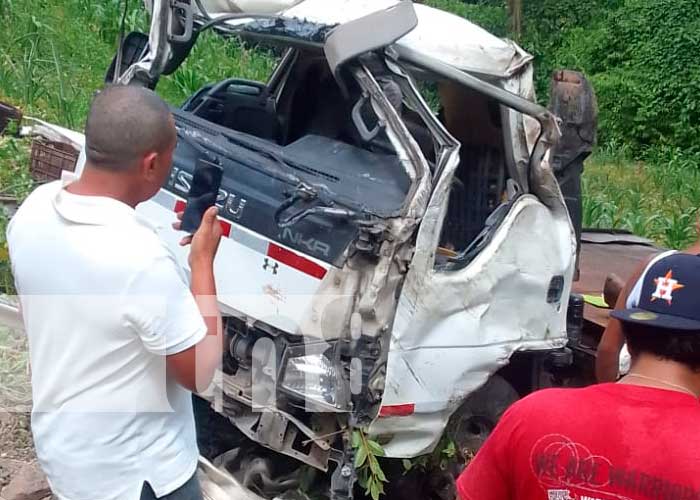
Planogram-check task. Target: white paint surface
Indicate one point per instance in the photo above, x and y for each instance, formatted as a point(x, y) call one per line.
point(453, 329)
point(244, 285)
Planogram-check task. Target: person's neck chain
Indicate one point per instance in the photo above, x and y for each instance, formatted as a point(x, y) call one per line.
point(664, 382)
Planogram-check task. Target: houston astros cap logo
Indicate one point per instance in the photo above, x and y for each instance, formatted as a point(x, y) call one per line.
point(665, 287)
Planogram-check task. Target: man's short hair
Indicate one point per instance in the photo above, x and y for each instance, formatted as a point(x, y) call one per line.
point(126, 122)
point(681, 346)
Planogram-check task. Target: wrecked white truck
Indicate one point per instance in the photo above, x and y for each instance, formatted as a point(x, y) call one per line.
point(386, 266)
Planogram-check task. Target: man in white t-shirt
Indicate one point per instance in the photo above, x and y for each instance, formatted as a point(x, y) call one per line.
point(117, 337)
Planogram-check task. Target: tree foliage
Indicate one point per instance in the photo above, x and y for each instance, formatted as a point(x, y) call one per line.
point(641, 56)
point(490, 15)
point(643, 62)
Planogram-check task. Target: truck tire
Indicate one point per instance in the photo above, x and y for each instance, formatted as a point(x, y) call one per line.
point(474, 420)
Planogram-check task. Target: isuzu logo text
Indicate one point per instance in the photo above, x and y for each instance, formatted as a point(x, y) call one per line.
point(231, 203)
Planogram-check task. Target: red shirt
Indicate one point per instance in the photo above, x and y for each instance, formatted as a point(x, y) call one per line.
point(604, 442)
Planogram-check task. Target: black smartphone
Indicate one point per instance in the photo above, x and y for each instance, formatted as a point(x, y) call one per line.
point(206, 182)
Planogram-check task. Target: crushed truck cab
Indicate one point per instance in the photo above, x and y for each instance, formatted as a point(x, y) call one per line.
point(387, 263)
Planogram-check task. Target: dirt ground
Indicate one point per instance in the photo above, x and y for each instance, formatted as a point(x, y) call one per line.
point(16, 445)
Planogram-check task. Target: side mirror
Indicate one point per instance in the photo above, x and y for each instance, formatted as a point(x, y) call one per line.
point(134, 47)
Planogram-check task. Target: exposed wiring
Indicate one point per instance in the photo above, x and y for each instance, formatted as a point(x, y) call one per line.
point(202, 10)
point(232, 17)
point(120, 44)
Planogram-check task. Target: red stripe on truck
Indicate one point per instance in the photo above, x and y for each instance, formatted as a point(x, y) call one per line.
point(295, 260)
point(180, 205)
point(397, 410)
point(225, 226)
point(280, 254)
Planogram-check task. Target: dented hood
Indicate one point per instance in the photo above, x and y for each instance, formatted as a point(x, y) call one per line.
point(439, 35)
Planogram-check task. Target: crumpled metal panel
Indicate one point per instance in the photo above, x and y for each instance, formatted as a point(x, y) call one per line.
point(440, 35)
point(464, 45)
point(453, 329)
point(159, 48)
point(36, 127)
point(374, 31)
point(214, 7)
point(520, 130)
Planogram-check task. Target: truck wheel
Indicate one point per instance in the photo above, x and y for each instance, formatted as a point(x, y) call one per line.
point(474, 420)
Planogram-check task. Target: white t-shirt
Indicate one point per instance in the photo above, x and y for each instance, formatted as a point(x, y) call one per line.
point(103, 302)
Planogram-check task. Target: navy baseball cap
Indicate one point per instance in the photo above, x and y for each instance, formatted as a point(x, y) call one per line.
point(669, 296)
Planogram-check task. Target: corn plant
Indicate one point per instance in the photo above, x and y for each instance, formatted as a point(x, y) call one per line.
point(680, 229)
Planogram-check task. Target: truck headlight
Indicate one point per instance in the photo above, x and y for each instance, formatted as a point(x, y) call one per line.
point(313, 372)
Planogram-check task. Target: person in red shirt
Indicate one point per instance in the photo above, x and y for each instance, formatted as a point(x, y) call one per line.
point(632, 440)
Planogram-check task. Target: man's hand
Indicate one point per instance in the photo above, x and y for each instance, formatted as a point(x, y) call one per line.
point(205, 241)
point(195, 367)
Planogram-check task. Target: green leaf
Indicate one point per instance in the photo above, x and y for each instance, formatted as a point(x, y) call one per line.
point(374, 490)
point(369, 471)
point(374, 465)
point(363, 478)
point(368, 485)
point(450, 450)
point(360, 457)
point(375, 448)
point(356, 439)
point(407, 464)
point(380, 475)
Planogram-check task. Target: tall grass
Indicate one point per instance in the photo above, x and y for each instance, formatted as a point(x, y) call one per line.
point(658, 198)
point(54, 55)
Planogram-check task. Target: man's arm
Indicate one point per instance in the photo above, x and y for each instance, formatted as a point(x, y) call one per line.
point(194, 368)
point(607, 363)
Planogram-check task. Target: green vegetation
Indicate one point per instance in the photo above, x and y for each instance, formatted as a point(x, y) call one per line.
point(444, 455)
point(15, 390)
point(641, 58)
point(491, 16)
point(658, 199)
point(54, 55)
point(15, 184)
point(370, 474)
